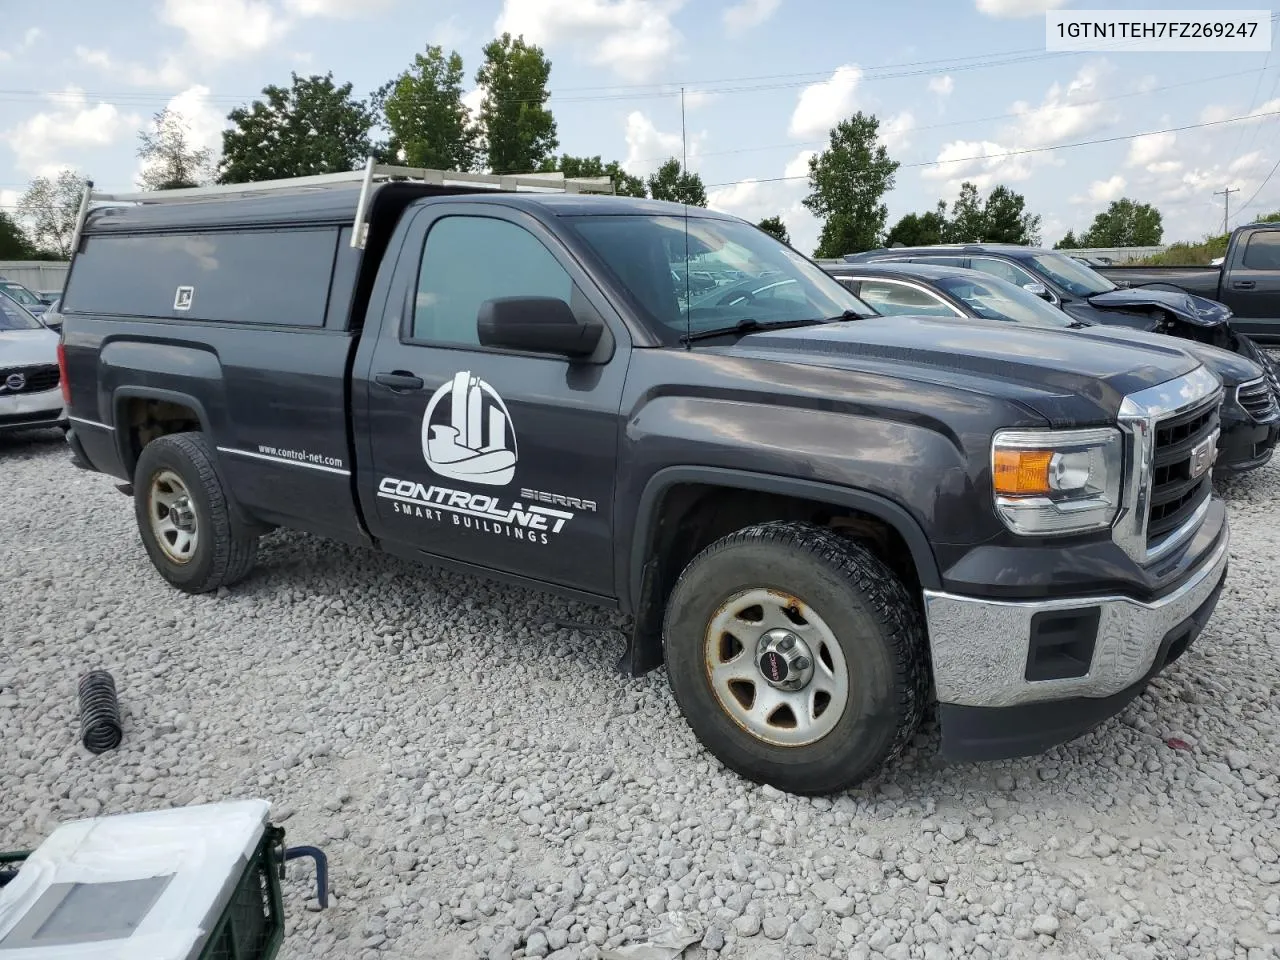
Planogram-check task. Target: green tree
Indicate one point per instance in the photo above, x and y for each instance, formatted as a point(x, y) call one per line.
point(52, 207)
point(312, 127)
point(1069, 242)
point(847, 184)
point(776, 228)
point(919, 229)
point(624, 184)
point(672, 182)
point(429, 125)
point(519, 130)
point(169, 160)
point(14, 243)
point(1126, 223)
point(1005, 219)
point(967, 223)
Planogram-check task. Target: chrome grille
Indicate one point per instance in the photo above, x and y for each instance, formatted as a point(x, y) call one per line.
point(1179, 485)
point(1172, 430)
point(1258, 399)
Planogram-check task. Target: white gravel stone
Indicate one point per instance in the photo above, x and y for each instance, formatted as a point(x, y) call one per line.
point(485, 784)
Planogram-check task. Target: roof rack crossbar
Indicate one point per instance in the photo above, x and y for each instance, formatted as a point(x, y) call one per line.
point(366, 176)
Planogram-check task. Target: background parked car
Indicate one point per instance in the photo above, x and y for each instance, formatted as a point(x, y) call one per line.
point(28, 299)
point(1086, 294)
point(30, 391)
point(1251, 408)
point(1246, 279)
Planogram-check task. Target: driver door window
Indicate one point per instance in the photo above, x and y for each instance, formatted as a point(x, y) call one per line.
point(892, 299)
point(468, 260)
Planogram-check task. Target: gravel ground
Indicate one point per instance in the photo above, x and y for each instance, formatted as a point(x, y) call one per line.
point(486, 785)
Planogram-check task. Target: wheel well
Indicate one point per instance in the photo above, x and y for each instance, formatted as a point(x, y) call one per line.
point(692, 516)
point(142, 419)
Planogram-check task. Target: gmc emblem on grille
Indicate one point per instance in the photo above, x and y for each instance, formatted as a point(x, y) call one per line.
point(1203, 455)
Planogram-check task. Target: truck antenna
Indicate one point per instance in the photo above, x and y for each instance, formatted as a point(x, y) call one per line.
point(684, 172)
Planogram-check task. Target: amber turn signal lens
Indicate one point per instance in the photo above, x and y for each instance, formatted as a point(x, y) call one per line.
point(1019, 473)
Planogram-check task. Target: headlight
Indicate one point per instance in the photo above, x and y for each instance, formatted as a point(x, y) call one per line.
point(1049, 482)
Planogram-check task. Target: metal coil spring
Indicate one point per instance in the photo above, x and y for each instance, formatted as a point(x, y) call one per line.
point(100, 727)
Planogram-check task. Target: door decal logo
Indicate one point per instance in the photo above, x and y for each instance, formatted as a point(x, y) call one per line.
point(467, 433)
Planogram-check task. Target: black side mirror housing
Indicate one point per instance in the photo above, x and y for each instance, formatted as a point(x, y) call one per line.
point(537, 324)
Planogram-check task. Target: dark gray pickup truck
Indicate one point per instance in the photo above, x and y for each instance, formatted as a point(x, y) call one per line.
point(1248, 280)
point(820, 521)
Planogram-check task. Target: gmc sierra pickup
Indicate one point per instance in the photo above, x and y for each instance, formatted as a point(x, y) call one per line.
point(1248, 280)
point(819, 519)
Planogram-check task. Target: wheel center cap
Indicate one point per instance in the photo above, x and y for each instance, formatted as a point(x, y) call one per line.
point(774, 667)
point(784, 660)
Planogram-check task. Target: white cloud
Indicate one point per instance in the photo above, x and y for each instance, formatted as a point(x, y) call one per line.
point(1104, 191)
point(749, 13)
point(29, 38)
point(1254, 160)
point(754, 200)
point(338, 9)
point(1063, 114)
point(1006, 9)
point(942, 85)
point(39, 141)
point(1149, 149)
point(225, 29)
point(633, 37)
point(895, 132)
point(1215, 114)
point(822, 105)
point(1165, 166)
point(982, 162)
point(648, 147)
point(169, 73)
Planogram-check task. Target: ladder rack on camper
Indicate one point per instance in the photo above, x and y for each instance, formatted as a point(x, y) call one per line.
point(372, 173)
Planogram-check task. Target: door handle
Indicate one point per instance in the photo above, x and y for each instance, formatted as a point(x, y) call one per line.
point(1243, 284)
point(400, 381)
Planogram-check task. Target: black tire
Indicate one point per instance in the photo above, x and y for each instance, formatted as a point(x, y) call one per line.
point(873, 619)
point(224, 552)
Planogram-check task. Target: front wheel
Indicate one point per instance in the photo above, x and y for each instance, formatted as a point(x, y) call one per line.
point(184, 518)
point(796, 656)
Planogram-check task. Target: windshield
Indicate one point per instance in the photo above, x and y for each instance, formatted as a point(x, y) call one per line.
point(19, 293)
point(733, 273)
point(15, 317)
point(994, 299)
point(1072, 276)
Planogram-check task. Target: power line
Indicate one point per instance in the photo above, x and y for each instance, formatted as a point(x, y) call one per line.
point(793, 144)
point(1031, 150)
point(1226, 193)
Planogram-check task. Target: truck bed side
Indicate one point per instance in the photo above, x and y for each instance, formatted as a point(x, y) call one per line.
point(252, 347)
point(1201, 281)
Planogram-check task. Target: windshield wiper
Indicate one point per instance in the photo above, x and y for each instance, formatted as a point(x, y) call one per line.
point(848, 315)
point(747, 325)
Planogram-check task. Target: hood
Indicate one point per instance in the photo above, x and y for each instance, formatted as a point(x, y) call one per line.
point(23, 348)
point(1046, 369)
point(1230, 368)
point(1183, 305)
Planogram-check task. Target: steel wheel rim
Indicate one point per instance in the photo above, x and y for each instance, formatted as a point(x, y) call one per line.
point(172, 516)
point(731, 648)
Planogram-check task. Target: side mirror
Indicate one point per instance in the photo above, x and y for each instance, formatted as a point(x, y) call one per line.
point(1039, 289)
point(537, 324)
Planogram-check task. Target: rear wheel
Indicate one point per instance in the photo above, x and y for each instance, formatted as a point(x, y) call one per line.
point(796, 656)
point(184, 518)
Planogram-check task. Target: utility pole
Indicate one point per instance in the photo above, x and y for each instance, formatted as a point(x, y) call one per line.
point(1226, 204)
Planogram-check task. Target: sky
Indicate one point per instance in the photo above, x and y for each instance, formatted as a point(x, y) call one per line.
point(963, 89)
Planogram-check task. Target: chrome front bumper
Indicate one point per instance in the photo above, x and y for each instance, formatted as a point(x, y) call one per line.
point(980, 647)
